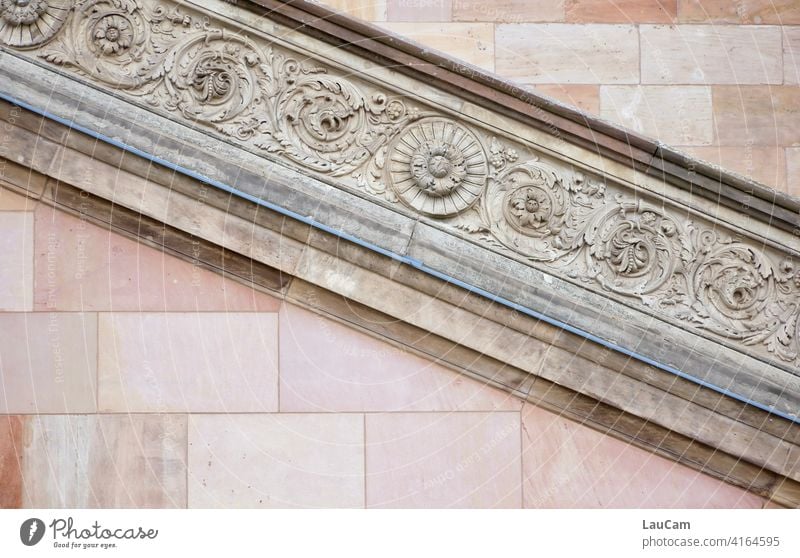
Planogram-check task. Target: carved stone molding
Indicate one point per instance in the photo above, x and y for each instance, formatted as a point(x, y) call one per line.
point(577, 224)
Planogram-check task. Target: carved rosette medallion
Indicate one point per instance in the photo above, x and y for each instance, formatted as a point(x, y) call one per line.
point(526, 208)
point(437, 167)
point(634, 249)
point(29, 23)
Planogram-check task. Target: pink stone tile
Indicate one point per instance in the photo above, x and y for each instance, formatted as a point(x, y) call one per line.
point(791, 53)
point(764, 164)
point(568, 53)
point(48, 363)
point(192, 362)
point(327, 366)
point(370, 10)
point(470, 42)
point(16, 260)
point(104, 461)
point(508, 11)
point(584, 97)
point(706, 54)
point(793, 170)
point(443, 460)
point(674, 115)
point(781, 12)
point(621, 11)
point(81, 266)
point(418, 10)
point(568, 465)
point(276, 461)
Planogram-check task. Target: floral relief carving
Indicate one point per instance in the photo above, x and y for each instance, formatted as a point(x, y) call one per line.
point(271, 100)
point(437, 167)
point(28, 23)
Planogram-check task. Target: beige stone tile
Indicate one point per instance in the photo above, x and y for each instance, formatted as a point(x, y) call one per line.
point(81, 266)
point(192, 362)
point(370, 10)
point(508, 11)
point(11, 201)
point(326, 366)
point(791, 54)
point(763, 164)
point(418, 10)
point(566, 53)
point(674, 115)
point(568, 465)
point(706, 54)
point(621, 11)
point(781, 12)
point(584, 97)
point(48, 363)
point(104, 461)
point(443, 460)
point(793, 171)
point(16, 260)
point(276, 461)
point(470, 42)
point(22, 178)
point(756, 115)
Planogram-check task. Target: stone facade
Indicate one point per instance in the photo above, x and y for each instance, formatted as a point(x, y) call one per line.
point(159, 384)
point(342, 187)
point(716, 78)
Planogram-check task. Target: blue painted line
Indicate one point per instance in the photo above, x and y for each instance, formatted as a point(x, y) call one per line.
point(400, 258)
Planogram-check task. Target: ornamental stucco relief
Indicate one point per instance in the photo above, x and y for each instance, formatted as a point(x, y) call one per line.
point(268, 99)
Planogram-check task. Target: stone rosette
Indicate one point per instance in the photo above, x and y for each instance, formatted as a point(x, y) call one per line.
point(29, 23)
point(437, 167)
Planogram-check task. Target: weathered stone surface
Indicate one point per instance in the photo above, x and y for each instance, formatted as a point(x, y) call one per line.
point(48, 363)
point(188, 362)
point(418, 10)
point(706, 54)
point(276, 461)
point(373, 10)
point(80, 267)
point(566, 465)
point(16, 260)
point(676, 115)
point(471, 42)
point(508, 11)
point(758, 12)
point(585, 97)
point(753, 115)
point(565, 53)
point(326, 366)
point(791, 54)
point(793, 170)
point(443, 460)
point(621, 11)
point(103, 461)
point(766, 165)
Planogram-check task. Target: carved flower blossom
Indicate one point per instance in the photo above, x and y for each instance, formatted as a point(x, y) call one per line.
point(438, 168)
point(113, 34)
point(531, 207)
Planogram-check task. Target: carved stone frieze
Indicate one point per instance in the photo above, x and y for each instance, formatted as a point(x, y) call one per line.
point(586, 228)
